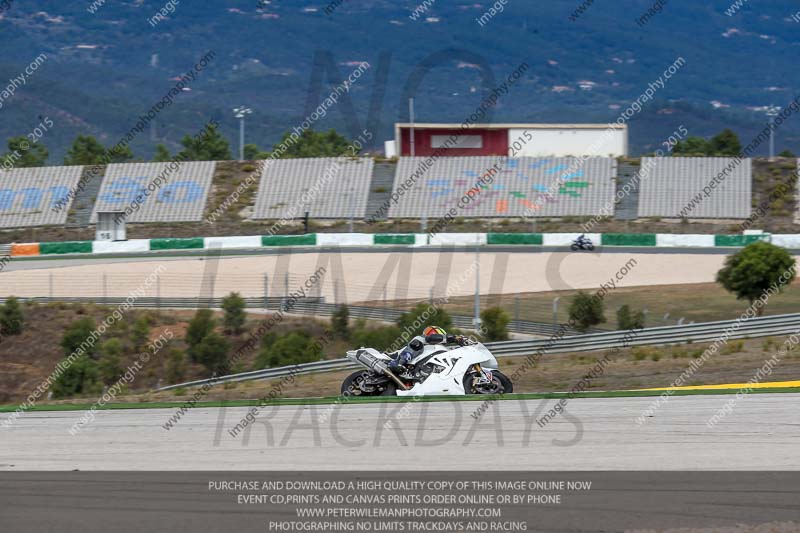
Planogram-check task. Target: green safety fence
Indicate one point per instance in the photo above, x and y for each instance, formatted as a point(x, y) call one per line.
point(394, 238)
point(69, 247)
point(738, 240)
point(628, 239)
point(309, 239)
point(176, 244)
point(514, 238)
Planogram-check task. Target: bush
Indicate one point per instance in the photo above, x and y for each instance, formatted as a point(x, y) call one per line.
point(176, 366)
point(109, 366)
point(211, 351)
point(77, 332)
point(494, 324)
point(234, 318)
point(381, 338)
point(586, 310)
point(424, 315)
point(293, 348)
point(78, 378)
point(340, 322)
point(141, 331)
point(627, 319)
point(200, 326)
point(11, 317)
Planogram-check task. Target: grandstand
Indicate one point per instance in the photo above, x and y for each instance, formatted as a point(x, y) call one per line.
point(670, 184)
point(181, 197)
point(523, 185)
point(29, 195)
point(327, 187)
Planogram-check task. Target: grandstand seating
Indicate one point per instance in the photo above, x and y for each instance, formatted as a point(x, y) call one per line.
point(182, 198)
point(669, 184)
point(328, 187)
point(522, 186)
point(28, 195)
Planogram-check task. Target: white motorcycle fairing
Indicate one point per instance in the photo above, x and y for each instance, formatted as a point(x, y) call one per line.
point(454, 365)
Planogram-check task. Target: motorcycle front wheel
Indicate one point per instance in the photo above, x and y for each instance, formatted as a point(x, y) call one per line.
point(574, 247)
point(353, 385)
point(500, 384)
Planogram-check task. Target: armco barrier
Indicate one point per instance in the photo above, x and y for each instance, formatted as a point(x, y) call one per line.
point(224, 243)
point(395, 238)
point(111, 247)
point(400, 239)
point(344, 239)
point(515, 238)
point(738, 240)
point(25, 249)
point(628, 239)
point(667, 335)
point(74, 247)
point(177, 244)
point(667, 240)
point(309, 239)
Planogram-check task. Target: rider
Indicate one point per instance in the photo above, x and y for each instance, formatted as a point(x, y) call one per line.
point(430, 335)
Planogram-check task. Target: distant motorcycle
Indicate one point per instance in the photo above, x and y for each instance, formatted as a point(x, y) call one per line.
point(582, 243)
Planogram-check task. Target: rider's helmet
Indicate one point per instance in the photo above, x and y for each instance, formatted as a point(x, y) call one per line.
point(434, 330)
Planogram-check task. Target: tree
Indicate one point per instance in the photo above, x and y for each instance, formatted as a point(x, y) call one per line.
point(627, 319)
point(586, 310)
point(234, 318)
point(80, 377)
point(725, 143)
point(24, 154)
point(109, 366)
point(77, 332)
point(253, 152)
point(494, 324)
point(314, 144)
point(211, 351)
point(11, 318)
point(423, 315)
point(122, 154)
point(691, 146)
point(340, 322)
point(756, 268)
point(787, 153)
point(162, 154)
point(85, 150)
point(200, 325)
point(208, 146)
point(141, 331)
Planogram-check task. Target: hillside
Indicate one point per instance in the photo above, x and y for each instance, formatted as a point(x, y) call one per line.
point(278, 56)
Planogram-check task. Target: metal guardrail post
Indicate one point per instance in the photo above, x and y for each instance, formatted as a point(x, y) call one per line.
point(266, 292)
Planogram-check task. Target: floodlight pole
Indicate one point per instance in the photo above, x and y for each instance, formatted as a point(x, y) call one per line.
point(772, 112)
point(241, 112)
point(477, 318)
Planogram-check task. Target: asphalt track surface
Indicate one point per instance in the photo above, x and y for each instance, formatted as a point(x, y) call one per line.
point(761, 433)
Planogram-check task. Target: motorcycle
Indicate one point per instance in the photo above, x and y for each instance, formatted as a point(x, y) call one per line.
point(582, 243)
point(437, 370)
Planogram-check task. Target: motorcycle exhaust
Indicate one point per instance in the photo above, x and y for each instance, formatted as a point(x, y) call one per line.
point(378, 365)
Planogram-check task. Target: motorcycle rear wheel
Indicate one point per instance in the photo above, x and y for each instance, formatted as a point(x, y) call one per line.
point(350, 386)
point(500, 384)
